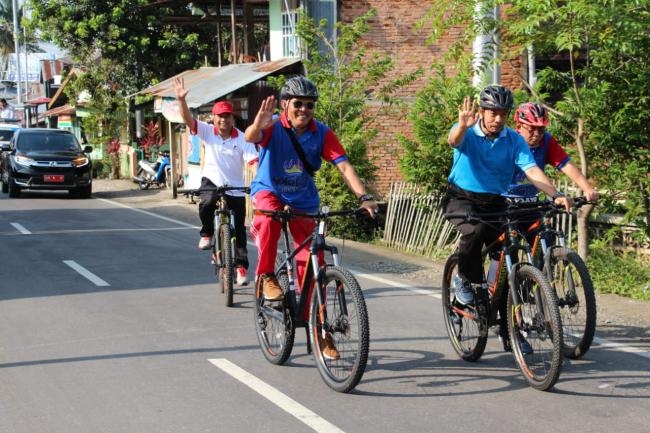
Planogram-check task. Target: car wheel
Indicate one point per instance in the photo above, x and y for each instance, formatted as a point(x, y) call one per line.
point(12, 188)
point(85, 191)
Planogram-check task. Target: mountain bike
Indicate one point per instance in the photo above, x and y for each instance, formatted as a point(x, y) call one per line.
point(330, 305)
point(533, 320)
point(225, 244)
point(569, 277)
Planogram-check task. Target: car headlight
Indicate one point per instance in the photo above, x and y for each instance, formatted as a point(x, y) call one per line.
point(23, 160)
point(80, 161)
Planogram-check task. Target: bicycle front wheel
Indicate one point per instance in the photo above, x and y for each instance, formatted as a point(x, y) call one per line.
point(339, 330)
point(535, 328)
point(227, 263)
point(276, 330)
point(463, 324)
point(571, 281)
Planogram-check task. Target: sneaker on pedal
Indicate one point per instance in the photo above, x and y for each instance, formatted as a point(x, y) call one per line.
point(242, 277)
point(463, 292)
point(271, 289)
point(327, 347)
point(205, 243)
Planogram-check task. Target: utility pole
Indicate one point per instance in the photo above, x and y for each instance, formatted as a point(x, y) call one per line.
point(19, 90)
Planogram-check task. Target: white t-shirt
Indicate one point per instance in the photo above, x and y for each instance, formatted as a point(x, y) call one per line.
point(224, 160)
point(7, 112)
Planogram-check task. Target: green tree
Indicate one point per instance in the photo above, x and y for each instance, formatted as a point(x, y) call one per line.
point(7, 45)
point(606, 43)
point(129, 33)
point(597, 115)
point(427, 156)
point(106, 106)
point(346, 78)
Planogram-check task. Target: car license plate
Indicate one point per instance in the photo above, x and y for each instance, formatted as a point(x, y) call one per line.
point(54, 178)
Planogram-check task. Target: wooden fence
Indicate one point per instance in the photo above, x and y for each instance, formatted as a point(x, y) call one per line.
point(414, 221)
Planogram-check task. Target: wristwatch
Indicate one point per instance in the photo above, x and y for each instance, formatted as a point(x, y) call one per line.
point(366, 197)
point(557, 194)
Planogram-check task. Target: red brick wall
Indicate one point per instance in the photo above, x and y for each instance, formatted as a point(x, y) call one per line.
point(392, 33)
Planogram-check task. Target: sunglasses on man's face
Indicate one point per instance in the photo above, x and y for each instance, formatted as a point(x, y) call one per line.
point(299, 104)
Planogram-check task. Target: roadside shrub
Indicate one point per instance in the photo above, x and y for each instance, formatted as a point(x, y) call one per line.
point(619, 272)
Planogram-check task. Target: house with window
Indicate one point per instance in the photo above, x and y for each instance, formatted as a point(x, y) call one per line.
point(393, 33)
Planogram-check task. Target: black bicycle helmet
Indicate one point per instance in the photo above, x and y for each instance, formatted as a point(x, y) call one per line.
point(299, 87)
point(496, 98)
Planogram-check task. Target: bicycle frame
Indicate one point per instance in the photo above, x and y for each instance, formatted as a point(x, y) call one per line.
point(509, 244)
point(223, 256)
point(317, 245)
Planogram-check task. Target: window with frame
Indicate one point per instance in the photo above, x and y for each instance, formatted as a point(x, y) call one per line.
point(290, 41)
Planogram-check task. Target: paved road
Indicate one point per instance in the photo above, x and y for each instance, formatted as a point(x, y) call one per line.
point(110, 322)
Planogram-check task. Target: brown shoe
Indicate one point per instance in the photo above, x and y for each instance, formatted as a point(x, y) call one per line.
point(271, 289)
point(327, 347)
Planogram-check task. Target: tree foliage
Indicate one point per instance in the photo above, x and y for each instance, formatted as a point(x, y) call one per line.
point(128, 33)
point(427, 156)
point(596, 102)
point(346, 78)
point(604, 91)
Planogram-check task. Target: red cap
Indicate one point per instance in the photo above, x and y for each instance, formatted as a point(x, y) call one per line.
point(222, 107)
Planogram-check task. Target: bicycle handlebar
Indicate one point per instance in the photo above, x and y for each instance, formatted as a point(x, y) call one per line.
point(324, 213)
point(517, 208)
point(218, 189)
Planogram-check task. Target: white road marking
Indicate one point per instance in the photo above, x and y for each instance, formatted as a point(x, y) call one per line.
point(86, 273)
point(603, 342)
point(276, 397)
point(21, 229)
point(395, 284)
point(146, 212)
point(623, 348)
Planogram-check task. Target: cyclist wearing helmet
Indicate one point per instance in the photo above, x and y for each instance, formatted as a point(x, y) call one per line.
point(531, 121)
point(285, 177)
point(486, 153)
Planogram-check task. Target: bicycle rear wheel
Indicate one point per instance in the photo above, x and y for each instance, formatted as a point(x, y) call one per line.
point(535, 328)
point(571, 281)
point(344, 318)
point(275, 328)
point(463, 324)
point(227, 263)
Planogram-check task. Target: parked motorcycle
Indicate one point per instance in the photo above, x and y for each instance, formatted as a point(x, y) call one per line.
point(157, 173)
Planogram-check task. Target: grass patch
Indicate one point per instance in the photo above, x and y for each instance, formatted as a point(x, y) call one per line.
point(618, 272)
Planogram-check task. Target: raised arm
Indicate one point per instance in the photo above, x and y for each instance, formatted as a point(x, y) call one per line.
point(263, 120)
point(181, 93)
point(467, 117)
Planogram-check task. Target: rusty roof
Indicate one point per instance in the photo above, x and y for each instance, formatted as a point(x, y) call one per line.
point(207, 84)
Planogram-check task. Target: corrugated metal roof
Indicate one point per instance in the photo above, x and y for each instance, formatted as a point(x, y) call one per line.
point(210, 83)
point(58, 111)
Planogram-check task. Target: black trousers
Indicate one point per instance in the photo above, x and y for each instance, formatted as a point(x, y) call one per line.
point(473, 236)
point(207, 206)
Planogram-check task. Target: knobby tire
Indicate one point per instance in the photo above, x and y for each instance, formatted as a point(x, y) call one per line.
point(572, 283)
point(539, 324)
point(347, 318)
point(464, 330)
point(227, 263)
point(275, 328)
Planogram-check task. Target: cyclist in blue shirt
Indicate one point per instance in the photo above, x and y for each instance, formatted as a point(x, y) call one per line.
point(486, 153)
